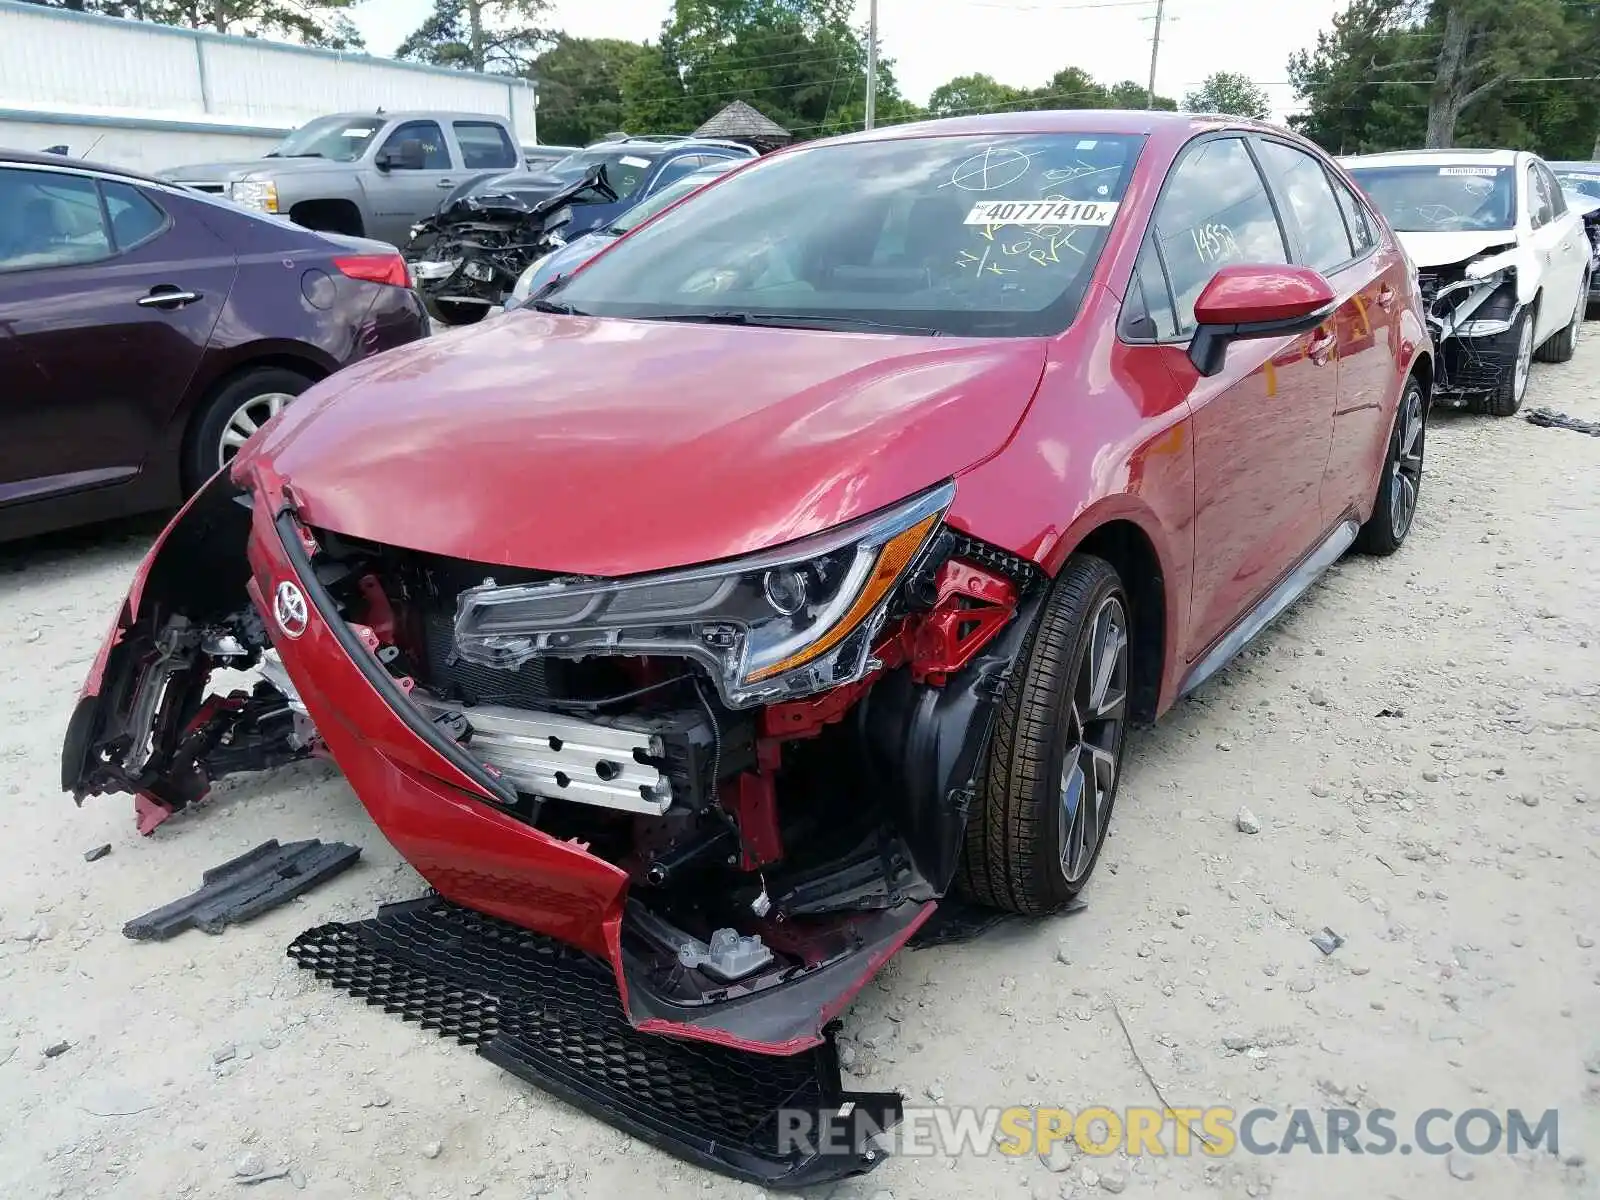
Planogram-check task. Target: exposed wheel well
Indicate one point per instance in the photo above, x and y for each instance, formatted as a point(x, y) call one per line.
point(1126, 547)
point(1423, 370)
point(329, 216)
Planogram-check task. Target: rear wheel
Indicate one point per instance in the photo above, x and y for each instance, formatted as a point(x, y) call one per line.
point(1400, 483)
point(233, 414)
point(1560, 348)
point(1056, 758)
point(1512, 386)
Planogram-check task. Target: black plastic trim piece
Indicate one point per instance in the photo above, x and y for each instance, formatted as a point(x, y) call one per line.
point(414, 719)
point(245, 887)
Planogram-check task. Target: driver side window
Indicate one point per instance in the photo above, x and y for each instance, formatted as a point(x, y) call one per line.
point(435, 154)
point(1541, 206)
point(1215, 212)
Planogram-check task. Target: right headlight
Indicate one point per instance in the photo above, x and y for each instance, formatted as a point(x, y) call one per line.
point(784, 623)
point(259, 194)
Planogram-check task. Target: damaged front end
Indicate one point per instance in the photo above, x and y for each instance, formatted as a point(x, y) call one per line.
point(739, 787)
point(1473, 308)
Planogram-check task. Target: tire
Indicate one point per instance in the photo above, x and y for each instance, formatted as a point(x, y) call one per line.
point(1507, 395)
point(1560, 348)
point(1400, 481)
point(1013, 856)
point(454, 312)
point(249, 399)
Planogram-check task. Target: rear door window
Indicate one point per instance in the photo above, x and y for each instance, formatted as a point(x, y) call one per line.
point(484, 145)
point(1215, 211)
point(50, 220)
point(1312, 207)
point(1356, 219)
point(135, 219)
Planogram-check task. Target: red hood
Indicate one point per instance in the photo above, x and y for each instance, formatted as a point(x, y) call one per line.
point(610, 447)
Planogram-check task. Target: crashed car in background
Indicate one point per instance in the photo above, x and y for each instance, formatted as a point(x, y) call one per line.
point(784, 579)
point(466, 259)
point(1581, 182)
point(1502, 260)
point(573, 254)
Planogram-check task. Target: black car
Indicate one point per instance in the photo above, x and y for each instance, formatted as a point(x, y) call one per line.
point(147, 330)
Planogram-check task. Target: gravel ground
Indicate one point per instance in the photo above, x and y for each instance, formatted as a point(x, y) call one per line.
point(1418, 741)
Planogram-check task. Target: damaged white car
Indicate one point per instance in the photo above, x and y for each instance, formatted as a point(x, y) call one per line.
point(1502, 262)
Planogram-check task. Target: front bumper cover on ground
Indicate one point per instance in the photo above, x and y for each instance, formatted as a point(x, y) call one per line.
point(550, 1014)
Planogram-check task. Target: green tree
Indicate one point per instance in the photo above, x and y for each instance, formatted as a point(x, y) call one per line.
point(581, 87)
point(1396, 73)
point(308, 22)
point(1232, 93)
point(479, 35)
point(976, 94)
point(800, 62)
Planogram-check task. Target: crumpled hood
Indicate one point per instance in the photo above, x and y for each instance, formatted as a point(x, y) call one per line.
point(1443, 249)
point(611, 447)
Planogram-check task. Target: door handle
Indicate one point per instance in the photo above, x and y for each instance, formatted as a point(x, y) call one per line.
point(167, 297)
point(1386, 298)
point(1321, 348)
point(446, 183)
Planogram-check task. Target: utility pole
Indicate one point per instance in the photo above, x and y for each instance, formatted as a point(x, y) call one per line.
point(872, 59)
point(1155, 52)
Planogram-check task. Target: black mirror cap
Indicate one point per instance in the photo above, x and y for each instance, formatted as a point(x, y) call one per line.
point(1208, 349)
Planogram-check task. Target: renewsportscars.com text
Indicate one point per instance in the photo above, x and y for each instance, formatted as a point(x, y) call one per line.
point(1214, 1132)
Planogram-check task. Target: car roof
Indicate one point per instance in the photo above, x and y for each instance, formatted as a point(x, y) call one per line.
point(657, 146)
point(1578, 168)
point(1434, 158)
point(1070, 120)
point(31, 158)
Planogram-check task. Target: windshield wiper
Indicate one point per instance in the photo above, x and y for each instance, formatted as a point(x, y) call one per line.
point(792, 321)
point(309, 154)
point(552, 306)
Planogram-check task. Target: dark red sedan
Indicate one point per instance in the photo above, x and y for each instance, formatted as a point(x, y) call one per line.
point(146, 331)
point(792, 570)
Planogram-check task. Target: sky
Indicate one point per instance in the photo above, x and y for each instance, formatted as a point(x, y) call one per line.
point(1019, 42)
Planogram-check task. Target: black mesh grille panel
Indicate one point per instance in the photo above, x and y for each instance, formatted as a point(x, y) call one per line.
point(551, 1015)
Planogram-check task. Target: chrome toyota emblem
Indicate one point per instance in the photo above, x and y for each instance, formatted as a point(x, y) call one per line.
point(289, 607)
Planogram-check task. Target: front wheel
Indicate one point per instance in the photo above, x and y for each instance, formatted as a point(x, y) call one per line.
point(1055, 760)
point(1400, 482)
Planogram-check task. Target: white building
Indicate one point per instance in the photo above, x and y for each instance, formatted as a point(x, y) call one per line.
point(150, 96)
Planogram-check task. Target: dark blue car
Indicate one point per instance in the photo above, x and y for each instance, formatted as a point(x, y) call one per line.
point(636, 168)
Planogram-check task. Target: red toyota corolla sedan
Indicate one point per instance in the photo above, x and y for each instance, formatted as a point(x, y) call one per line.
point(799, 562)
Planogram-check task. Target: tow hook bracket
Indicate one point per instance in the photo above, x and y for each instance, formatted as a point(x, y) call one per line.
point(247, 886)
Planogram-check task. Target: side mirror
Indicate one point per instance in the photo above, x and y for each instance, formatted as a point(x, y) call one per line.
point(1256, 301)
point(408, 156)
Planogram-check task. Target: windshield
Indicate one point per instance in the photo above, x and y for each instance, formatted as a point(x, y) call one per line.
point(342, 139)
point(1454, 199)
point(625, 170)
point(667, 196)
point(977, 236)
point(1584, 183)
